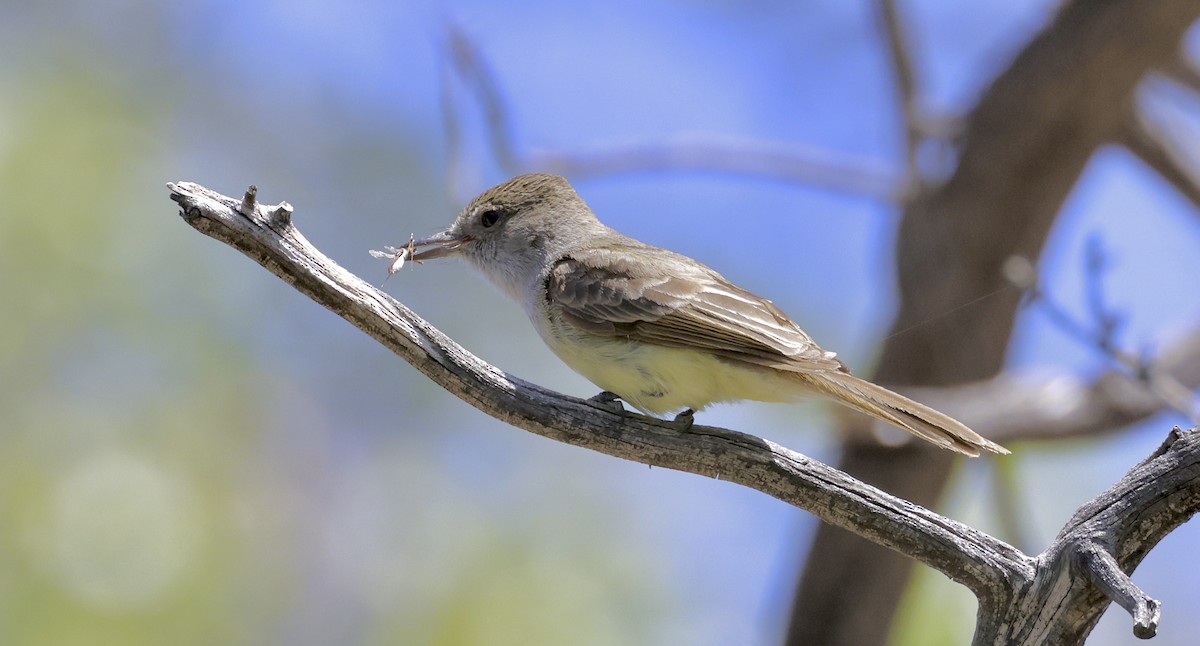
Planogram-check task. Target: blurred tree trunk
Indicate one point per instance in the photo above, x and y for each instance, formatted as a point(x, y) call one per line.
point(1025, 145)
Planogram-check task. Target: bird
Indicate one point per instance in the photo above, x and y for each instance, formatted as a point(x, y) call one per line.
point(657, 329)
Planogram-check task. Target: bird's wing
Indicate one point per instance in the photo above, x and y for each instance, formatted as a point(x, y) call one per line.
point(648, 294)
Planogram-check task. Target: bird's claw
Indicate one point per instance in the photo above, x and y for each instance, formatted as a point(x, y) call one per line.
point(685, 420)
point(610, 401)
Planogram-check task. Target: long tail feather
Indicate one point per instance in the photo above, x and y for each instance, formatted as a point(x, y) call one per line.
point(916, 418)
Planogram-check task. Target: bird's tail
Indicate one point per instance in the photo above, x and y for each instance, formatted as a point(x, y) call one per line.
point(918, 419)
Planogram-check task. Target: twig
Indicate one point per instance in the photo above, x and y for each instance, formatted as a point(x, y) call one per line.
point(828, 170)
point(906, 84)
point(1104, 572)
point(730, 156)
point(1101, 335)
point(453, 133)
point(1025, 144)
point(1108, 322)
point(1064, 406)
point(1109, 536)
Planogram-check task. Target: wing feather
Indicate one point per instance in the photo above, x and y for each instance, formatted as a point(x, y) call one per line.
point(652, 295)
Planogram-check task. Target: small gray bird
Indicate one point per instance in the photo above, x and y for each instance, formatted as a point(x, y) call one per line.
point(659, 330)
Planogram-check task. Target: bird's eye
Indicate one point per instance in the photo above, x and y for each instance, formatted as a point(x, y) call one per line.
point(489, 218)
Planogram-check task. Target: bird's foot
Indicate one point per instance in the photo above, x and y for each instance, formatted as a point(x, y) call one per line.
point(610, 401)
point(685, 420)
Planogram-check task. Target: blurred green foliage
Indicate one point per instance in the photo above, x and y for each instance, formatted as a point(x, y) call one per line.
point(151, 488)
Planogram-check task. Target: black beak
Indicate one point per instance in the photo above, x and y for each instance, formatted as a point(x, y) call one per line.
point(440, 245)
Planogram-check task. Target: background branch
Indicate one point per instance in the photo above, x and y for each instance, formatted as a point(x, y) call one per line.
point(906, 85)
point(1024, 147)
point(825, 169)
point(1064, 406)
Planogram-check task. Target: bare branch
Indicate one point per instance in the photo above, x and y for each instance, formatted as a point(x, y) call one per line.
point(1024, 146)
point(1101, 333)
point(794, 164)
point(477, 75)
point(265, 234)
point(1105, 573)
point(1064, 406)
point(451, 127)
point(1022, 600)
point(906, 85)
point(1087, 565)
point(1108, 537)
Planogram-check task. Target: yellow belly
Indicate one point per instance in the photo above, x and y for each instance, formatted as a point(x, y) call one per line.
point(656, 379)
